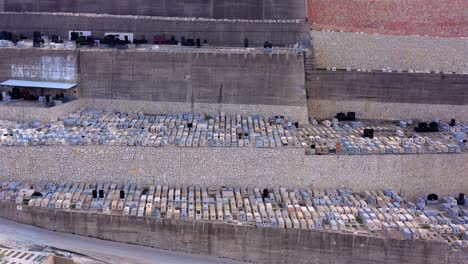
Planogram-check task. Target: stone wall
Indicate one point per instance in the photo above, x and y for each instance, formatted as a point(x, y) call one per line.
point(193, 77)
point(220, 9)
point(373, 51)
point(259, 245)
point(412, 175)
point(217, 32)
point(38, 65)
point(402, 17)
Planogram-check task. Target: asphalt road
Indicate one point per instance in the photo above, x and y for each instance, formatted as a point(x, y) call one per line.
point(17, 235)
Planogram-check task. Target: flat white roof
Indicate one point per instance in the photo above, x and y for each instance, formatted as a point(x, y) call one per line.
point(34, 84)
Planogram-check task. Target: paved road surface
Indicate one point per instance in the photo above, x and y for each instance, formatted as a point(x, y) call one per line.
point(17, 235)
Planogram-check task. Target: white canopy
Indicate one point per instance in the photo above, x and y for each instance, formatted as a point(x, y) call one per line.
point(35, 84)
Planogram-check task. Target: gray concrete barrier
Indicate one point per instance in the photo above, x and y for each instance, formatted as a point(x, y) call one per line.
point(222, 9)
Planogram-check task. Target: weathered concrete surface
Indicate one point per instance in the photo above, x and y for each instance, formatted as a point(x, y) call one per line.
point(374, 51)
point(222, 78)
point(244, 243)
point(217, 32)
point(401, 17)
point(391, 96)
point(163, 82)
point(222, 9)
point(412, 175)
point(387, 111)
point(38, 65)
point(13, 234)
point(415, 88)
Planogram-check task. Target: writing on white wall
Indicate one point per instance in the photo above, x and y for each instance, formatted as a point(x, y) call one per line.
point(48, 68)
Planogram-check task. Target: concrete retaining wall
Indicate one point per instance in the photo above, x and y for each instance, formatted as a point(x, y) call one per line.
point(38, 65)
point(259, 245)
point(391, 96)
point(403, 17)
point(163, 82)
point(417, 88)
point(373, 51)
point(221, 9)
point(217, 32)
point(222, 78)
point(413, 175)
